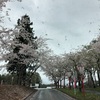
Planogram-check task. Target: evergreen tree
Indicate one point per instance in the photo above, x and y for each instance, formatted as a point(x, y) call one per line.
point(23, 49)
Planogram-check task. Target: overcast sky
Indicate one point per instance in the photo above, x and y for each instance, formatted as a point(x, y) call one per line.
point(68, 23)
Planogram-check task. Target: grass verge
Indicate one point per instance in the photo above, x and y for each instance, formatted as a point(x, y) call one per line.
point(78, 95)
point(94, 89)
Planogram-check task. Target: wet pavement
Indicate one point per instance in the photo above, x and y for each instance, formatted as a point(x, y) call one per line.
point(49, 94)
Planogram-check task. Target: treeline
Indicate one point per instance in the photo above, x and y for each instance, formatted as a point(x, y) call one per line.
point(79, 67)
point(11, 79)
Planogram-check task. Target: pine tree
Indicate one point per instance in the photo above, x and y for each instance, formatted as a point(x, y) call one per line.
point(23, 49)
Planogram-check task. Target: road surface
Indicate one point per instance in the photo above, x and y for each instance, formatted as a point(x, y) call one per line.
point(49, 94)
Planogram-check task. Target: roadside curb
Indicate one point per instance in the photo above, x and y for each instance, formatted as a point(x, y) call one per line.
point(29, 95)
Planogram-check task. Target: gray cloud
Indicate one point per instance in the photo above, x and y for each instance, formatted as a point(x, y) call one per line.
point(76, 19)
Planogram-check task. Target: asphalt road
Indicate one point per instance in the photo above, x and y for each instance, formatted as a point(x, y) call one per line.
point(49, 94)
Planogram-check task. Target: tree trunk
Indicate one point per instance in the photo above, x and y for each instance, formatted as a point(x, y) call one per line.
point(64, 81)
point(60, 83)
point(95, 79)
point(89, 80)
point(92, 79)
point(24, 76)
point(72, 84)
point(98, 74)
point(80, 87)
point(79, 82)
point(55, 83)
point(98, 71)
point(69, 82)
point(19, 75)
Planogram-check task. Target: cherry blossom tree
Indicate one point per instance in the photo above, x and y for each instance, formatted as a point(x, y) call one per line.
point(23, 49)
point(96, 54)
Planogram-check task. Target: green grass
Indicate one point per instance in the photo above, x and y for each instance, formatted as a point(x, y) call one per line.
point(94, 89)
point(80, 96)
